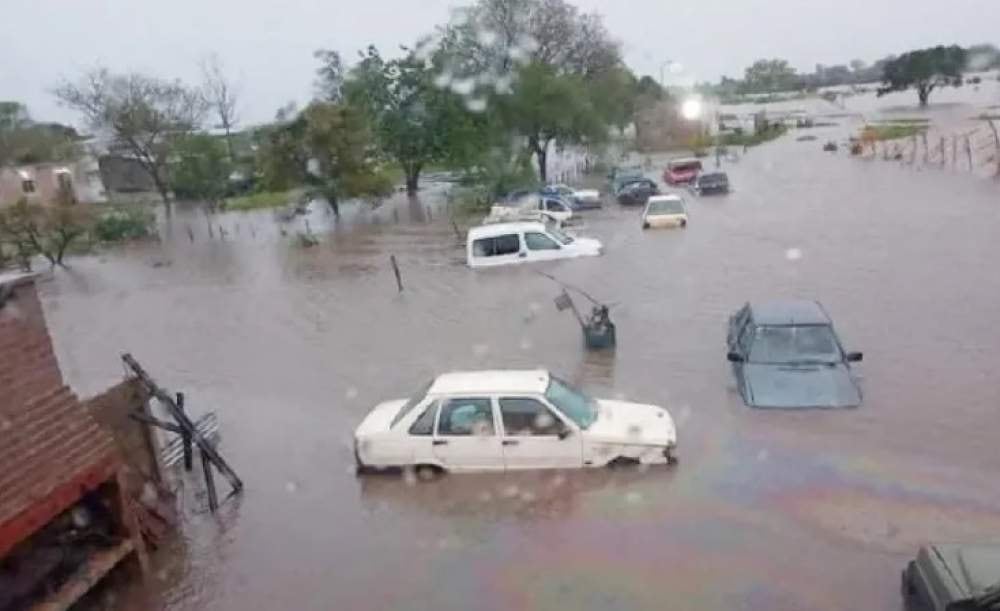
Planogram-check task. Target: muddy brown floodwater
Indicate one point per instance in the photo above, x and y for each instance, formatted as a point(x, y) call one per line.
point(766, 510)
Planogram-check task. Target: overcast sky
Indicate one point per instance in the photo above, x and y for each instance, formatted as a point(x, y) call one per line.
point(268, 44)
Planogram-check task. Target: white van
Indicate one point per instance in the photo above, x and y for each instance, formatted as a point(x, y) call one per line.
point(524, 242)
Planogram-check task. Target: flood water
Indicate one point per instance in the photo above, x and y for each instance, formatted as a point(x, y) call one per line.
point(766, 510)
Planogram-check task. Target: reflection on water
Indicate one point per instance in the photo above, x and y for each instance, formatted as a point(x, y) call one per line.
point(765, 511)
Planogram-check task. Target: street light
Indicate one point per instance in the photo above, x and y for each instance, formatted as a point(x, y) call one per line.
point(668, 62)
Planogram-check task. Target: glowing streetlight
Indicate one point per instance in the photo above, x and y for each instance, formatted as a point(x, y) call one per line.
point(691, 109)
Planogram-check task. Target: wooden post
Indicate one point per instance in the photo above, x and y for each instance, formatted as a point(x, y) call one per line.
point(996, 142)
point(395, 270)
point(458, 234)
point(208, 221)
point(927, 151)
point(213, 498)
point(941, 148)
point(968, 150)
point(954, 152)
point(190, 233)
point(430, 217)
point(186, 438)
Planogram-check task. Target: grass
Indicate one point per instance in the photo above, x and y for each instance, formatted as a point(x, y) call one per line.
point(892, 131)
point(903, 121)
point(263, 199)
point(755, 138)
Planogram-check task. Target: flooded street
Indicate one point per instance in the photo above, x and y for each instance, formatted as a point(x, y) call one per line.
point(766, 510)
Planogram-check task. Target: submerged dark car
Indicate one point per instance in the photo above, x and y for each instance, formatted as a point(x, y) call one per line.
point(637, 192)
point(711, 182)
point(785, 354)
point(953, 577)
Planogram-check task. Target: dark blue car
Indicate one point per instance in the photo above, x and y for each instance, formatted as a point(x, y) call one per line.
point(785, 354)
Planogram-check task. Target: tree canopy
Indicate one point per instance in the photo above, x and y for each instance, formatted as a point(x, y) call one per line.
point(769, 75)
point(924, 70)
point(23, 141)
point(142, 115)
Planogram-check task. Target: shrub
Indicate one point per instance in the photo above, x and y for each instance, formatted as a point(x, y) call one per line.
point(124, 223)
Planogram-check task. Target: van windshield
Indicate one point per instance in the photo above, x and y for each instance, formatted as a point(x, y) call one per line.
point(558, 234)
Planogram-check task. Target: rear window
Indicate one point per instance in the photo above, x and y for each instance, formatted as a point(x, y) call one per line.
point(501, 245)
point(684, 166)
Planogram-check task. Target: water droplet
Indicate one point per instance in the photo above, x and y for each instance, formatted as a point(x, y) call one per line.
point(480, 350)
point(476, 104)
point(684, 414)
point(527, 496)
point(291, 487)
point(763, 455)
point(352, 393)
point(510, 491)
point(633, 498)
point(463, 87)
point(410, 477)
point(485, 497)
point(162, 575)
point(793, 254)
point(5, 424)
point(526, 344)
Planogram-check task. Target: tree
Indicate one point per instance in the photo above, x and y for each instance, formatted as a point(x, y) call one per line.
point(143, 116)
point(47, 230)
point(924, 70)
point(415, 122)
point(24, 141)
point(222, 97)
point(538, 62)
point(545, 106)
point(329, 76)
point(202, 168)
point(857, 65)
point(769, 75)
point(328, 147)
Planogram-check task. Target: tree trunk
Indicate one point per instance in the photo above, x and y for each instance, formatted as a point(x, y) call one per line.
point(229, 144)
point(412, 178)
point(331, 199)
point(541, 150)
point(923, 92)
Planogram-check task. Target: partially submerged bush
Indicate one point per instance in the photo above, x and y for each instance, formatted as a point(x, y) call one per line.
point(124, 223)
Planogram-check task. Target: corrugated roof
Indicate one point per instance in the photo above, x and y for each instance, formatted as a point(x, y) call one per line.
point(51, 449)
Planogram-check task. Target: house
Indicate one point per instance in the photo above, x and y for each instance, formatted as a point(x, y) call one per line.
point(64, 480)
point(41, 182)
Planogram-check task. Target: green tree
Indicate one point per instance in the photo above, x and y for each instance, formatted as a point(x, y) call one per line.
point(47, 230)
point(545, 106)
point(329, 148)
point(924, 70)
point(144, 115)
point(769, 75)
point(24, 141)
point(415, 122)
point(202, 168)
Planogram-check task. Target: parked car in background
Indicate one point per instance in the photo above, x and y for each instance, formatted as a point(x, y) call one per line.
point(581, 199)
point(785, 354)
point(507, 420)
point(710, 182)
point(953, 577)
point(636, 192)
point(524, 242)
point(664, 211)
point(623, 175)
point(516, 204)
point(681, 171)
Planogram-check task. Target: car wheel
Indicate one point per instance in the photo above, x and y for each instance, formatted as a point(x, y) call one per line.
point(645, 225)
point(426, 473)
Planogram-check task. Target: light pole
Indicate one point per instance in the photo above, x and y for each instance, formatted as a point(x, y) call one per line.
point(666, 63)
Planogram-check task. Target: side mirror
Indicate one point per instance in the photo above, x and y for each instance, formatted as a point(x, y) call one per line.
point(855, 357)
point(563, 434)
point(733, 357)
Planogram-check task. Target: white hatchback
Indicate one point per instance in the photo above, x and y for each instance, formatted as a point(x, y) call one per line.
point(497, 420)
point(523, 242)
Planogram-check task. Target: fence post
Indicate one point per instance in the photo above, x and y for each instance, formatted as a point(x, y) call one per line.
point(185, 437)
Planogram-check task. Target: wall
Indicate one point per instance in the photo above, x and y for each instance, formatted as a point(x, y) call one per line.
point(112, 409)
point(84, 174)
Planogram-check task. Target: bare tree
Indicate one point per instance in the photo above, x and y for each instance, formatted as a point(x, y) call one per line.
point(141, 114)
point(222, 96)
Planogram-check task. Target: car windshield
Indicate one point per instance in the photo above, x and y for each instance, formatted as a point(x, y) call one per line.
point(557, 233)
point(793, 345)
point(685, 166)
point(577, 406)
point(666, 206)
point(414, 400)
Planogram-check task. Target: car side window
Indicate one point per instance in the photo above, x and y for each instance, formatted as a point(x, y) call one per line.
point(466, 417)
point(509, 244)
point(527, 416)
point(424, 425)
point(539, 241)
point(484, 247)
point(554, 206)
point(746, 337)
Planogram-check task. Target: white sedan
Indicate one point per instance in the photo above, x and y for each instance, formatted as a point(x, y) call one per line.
point(497, 420)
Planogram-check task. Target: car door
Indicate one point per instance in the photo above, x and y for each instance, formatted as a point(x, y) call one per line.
point(542, 247)
point(465, 438)
point(535, 436)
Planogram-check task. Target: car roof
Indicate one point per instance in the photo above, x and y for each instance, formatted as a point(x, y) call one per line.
point(490, 382)
point(683, 160)
point(667, 197)
point(789, 312)
point(495, 229)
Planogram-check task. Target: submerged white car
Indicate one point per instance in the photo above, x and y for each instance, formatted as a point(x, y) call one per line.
point(664, 211)
point(524, 242)
point(497, 420)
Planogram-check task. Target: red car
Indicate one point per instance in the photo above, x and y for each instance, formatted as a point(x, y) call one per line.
point(681, 171)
